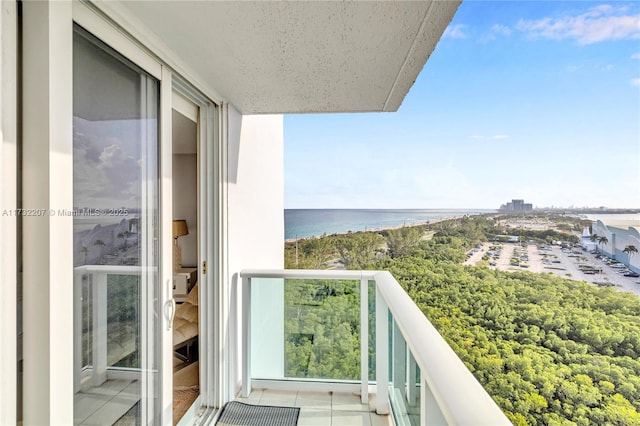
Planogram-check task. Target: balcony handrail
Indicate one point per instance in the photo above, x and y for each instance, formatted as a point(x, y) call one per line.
point(302, 274)
point(459, 395)
point(460, 398)
point(114, 269)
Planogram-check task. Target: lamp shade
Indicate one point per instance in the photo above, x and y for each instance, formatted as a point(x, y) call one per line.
point(180, 228)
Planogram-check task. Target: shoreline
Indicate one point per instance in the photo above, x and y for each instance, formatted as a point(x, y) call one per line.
point(380, 229)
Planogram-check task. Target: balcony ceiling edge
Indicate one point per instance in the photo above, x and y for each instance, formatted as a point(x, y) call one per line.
point(301, 57)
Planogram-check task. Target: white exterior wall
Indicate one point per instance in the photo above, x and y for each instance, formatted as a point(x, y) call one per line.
point(8, 223)
point(619, 238)
point(255, 217)
point(628, 236)
point(255, 156)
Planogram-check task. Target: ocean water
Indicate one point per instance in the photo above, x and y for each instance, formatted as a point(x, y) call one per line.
point(304, 223)
point(631, 217)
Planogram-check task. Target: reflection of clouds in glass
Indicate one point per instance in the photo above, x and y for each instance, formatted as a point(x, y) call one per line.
point(121, 173)
point(106, 170)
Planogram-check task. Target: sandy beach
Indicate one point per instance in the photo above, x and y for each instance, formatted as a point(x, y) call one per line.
point(385, 228)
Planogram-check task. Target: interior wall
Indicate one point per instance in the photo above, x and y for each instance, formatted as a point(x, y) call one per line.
point(185, 192)
point(185, 183)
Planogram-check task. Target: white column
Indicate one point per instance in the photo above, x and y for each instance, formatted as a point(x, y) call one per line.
point(48, 239)
point(8, 222)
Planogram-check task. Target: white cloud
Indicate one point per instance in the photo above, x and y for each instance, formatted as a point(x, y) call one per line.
point(598, 24)
point(635, 56)
point(455, 31)
point(501, 30)
point(495, 137)
point(635, 82)
point(499, 136)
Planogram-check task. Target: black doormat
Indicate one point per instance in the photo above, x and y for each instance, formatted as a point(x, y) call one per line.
point(236, 413)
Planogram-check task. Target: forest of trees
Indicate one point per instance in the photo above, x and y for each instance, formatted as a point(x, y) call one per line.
point(549, 350)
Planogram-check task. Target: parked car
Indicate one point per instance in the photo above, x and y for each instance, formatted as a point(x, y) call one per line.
point(632, 274)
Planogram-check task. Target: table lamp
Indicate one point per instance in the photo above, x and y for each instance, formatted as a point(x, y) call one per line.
point(179, 229)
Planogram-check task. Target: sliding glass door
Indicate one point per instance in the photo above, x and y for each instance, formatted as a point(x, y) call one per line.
point(116, 218)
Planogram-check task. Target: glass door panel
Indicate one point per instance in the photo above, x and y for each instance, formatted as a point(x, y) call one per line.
point(116, 238)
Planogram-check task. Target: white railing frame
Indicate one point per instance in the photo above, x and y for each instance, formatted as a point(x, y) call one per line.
point(449, 393)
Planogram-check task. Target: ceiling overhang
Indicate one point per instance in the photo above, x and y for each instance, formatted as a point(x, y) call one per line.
point(301, 57)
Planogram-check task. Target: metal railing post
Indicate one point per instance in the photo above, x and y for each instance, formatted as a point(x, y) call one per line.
point(382, 354)
point(246, 336)
point(412, 386)
point(99, 304)
point(430, 412)
point(399, 371)
point(77, 329)
point(364, 341)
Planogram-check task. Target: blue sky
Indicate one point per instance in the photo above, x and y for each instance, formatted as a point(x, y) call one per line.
point(534, 100)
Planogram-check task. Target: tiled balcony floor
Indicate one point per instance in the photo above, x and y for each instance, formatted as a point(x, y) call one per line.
point(322, 408)
point(104, 405)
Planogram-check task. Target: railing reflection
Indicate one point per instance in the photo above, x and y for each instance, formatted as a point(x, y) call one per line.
point(107, 321)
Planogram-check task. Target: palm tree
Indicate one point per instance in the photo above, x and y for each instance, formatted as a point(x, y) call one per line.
point(630, 250)
point(593, 237)
point(603, 241)
point(100, 244)
point(85, 251)
point(122, 236)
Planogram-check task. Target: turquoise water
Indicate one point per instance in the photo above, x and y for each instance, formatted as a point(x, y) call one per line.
point(304, 223)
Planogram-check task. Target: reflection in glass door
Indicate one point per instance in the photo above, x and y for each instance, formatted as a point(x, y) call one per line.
point(116, 222)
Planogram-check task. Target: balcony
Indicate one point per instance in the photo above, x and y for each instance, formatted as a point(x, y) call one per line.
point(329, 331)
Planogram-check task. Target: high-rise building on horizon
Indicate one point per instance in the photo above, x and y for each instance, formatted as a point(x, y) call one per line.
point(516, 205)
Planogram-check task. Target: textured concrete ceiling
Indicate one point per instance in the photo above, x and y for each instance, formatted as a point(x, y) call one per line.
point(296, 57)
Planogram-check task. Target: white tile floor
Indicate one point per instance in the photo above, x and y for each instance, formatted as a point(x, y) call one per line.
point(322, 408)
point(105, 404)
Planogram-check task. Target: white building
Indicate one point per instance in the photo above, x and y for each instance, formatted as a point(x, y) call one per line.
point(152, 111)
point(620, 234)
point(585, 240)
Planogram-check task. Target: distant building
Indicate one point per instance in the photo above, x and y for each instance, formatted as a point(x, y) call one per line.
point(517, 206)
point(586, 242)
point(619, 234)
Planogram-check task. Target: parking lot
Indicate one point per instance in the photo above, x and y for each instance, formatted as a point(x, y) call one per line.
point(561, 262)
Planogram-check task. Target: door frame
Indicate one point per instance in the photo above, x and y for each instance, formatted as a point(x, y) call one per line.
point(208, 201)
point(49, 147)
point(103, 29)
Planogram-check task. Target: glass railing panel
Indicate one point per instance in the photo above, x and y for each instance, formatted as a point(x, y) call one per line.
point(413, 390)
point(404, 389)
point(305, 329)
point(123, 320)
point(371, 293)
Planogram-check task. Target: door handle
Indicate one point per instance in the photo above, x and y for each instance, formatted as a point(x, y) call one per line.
point(169, 307)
